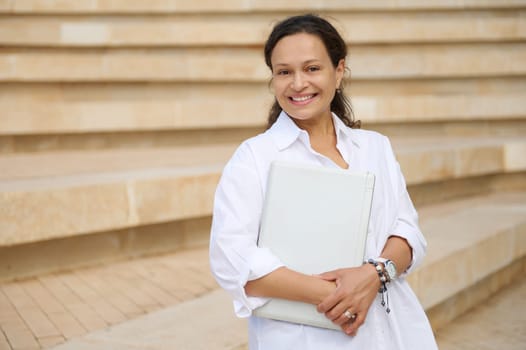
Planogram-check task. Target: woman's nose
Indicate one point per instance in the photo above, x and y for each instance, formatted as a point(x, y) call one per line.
point(298, 83)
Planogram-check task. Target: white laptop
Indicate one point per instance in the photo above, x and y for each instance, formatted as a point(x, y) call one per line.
point(315, 220)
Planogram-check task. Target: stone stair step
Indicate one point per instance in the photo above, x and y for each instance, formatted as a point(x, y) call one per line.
point(79, 193)
point(107, 165)
point(75, 193)
point(435, 159)
point(468, 239)
point(459, 233)
point(246, 65)
point(144, 139)
point(190, 6)
point(251, 29)
point(55, 109)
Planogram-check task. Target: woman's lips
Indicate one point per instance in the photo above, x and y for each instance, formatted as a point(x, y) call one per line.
point(301, 99)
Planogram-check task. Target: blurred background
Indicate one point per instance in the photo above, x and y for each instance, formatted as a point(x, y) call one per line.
point(117, 116)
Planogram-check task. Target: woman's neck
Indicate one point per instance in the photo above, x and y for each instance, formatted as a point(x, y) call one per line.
point(322, 137)
point(317, 128)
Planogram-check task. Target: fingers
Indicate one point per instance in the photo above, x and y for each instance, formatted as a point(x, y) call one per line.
point(351, 327)
point(330, 275)
point(337, 313)
point(332, 301)
point(346, 317)
point(346, 328)
point(328, 303)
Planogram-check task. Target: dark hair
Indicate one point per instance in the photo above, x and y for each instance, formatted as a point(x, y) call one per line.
point(336, 48)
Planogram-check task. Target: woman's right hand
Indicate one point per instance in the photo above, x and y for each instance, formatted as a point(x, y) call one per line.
point(356, 289)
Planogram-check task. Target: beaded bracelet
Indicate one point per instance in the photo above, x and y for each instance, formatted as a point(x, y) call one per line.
point(383, 280)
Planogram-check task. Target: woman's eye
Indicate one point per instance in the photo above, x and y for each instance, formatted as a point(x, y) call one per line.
point(283, 72)
point(313, 68)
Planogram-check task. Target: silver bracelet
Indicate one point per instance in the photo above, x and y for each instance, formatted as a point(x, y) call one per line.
point(383, 280)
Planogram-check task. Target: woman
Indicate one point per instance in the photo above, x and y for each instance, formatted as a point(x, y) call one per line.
point(311, 122)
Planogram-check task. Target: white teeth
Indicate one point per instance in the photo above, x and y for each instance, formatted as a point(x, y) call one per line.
point(301, 99)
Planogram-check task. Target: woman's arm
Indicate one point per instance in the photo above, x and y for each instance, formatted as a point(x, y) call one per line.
point(284, 283)
point(398, 250)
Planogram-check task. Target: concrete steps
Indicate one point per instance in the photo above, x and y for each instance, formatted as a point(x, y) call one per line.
point(469, 240)
point(99, 191)
point(119, 74)
point(84, 75)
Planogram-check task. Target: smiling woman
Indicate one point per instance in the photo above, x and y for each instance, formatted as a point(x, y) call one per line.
point(332, 47)
point(304, 79)
point(311, 122)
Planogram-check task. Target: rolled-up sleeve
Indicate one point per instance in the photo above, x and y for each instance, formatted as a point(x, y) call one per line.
point(235, 257)
point(406, 219)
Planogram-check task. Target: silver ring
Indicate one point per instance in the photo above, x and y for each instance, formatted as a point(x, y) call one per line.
point(348, 314)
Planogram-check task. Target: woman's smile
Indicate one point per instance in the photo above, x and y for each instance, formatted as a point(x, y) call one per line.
point(304, 78)
point(303, 99)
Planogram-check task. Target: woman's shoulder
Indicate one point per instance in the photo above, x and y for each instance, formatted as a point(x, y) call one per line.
point(257, 142)
point(254, 148)
point(370, 138)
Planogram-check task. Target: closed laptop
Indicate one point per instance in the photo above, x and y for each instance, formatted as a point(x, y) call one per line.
point(315, 220)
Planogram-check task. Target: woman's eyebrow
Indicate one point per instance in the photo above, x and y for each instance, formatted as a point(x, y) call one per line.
point(303, 63)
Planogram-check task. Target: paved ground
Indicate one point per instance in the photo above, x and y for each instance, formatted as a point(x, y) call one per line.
point(156, 302)
point(45, 311)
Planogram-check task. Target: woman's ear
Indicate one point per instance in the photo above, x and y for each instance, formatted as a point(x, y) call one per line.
point(340, 72)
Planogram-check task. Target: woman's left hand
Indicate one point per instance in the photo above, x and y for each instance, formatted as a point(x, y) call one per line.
point(356, 288)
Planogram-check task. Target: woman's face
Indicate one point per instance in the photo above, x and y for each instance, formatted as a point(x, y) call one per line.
point(304, 78)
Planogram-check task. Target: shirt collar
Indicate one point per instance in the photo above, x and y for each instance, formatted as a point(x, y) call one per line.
point(344, 131)
point(285, 131)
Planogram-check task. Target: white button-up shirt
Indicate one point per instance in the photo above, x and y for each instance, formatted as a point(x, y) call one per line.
point(235, 257)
